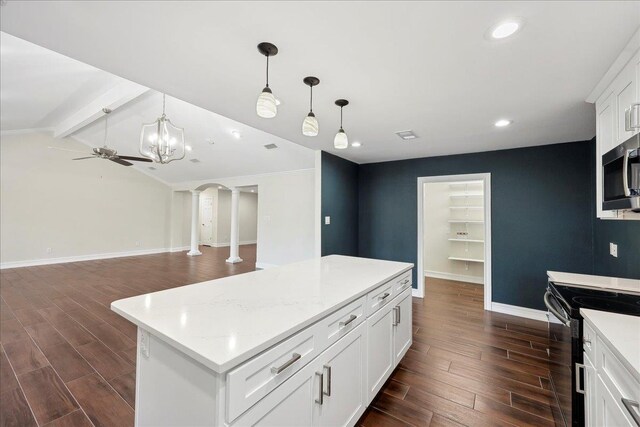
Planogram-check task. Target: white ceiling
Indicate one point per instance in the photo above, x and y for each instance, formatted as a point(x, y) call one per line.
point(39, 88)
point(424, 66)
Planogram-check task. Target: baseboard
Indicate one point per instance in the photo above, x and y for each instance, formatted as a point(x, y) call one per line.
point(456, 277)
point(264, 265)
point(180, 249)
point(528, 313)
point(226, 245)
point(62, 260)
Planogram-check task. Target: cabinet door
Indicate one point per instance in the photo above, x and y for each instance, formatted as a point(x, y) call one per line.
point(379, 349)
point(625, 91)
point(608, 412)
point(590, 378)
point(344, 369)
point(291, 404)
point(605, 141)
point(402, 326)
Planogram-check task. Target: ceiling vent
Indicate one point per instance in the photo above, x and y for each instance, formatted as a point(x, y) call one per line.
point(194, 160)
point(270, 146)
point(151, 168)
point(406, 134)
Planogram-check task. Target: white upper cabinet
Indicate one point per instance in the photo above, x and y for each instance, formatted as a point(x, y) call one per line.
point(618, 90)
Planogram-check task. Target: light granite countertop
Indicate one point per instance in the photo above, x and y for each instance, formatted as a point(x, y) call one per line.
point(631, 286)
point(222, 323)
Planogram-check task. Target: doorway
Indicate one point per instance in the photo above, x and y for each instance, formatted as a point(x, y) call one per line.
point(454, 232)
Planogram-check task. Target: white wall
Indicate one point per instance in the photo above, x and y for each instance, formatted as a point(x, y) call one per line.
point(248, 217)
point(437, 231)
point(180, 220)
point(76, 208)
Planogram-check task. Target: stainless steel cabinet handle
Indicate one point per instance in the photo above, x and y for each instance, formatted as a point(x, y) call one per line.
point(627, 119)
point(579, 367)
point(328, 368)
point(405, 281)
point(399, 318)
point(277, 369)
point(320, 399)
point(630, 404)
point(346, 322)
point(586, 341)
point(634, 116)
point(395, 316)
point(386, 294)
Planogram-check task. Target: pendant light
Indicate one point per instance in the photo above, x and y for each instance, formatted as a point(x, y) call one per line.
point(310, 123)
point(161, 141)
point(341, 141)
point(266, 106)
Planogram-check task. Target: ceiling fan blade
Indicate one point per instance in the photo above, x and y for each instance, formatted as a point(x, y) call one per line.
point(120, 161)
point(135, 159)
point(82, 158)
point(66, 149)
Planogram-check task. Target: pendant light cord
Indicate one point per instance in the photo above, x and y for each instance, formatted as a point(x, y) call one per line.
point(340, 117)
point(164, 103)
point(267, 70)
point(311, 100)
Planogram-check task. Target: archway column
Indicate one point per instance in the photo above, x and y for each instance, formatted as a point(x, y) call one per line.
point(195, 218)
point(235, 228)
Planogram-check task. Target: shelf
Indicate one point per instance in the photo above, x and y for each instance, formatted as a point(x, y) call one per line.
point(467, 194)
point(454, 258)
point(466, 207)
point(457, 184)
point(467, 240)
point(466, 221)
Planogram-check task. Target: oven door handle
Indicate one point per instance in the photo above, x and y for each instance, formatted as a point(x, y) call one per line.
point(625, 173)
point(547, 301)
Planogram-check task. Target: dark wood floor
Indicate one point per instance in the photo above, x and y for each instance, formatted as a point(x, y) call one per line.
point(467, 366)
point(67, 360)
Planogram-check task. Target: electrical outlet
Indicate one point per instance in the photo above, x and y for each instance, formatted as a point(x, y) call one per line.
point(49, 250)
point(137, 243)
point(613, 249)
point(327, 220)
point(143, 341)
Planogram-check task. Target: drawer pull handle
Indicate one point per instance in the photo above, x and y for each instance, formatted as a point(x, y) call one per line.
point(405, 281)
point(579, 367)
point(396, 317)
point(328, 368)
point(320, 399)
point(587, 342)
point(346, 322)
point(294, 358)
point(386, 294)
point(630, 404)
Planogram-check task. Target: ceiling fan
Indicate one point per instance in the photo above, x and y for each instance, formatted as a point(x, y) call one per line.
point(105, 152)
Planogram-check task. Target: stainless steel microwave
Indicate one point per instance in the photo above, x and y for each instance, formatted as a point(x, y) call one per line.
point(621, 176)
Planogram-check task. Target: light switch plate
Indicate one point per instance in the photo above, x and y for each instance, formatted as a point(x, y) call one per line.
point(613, 249)
point(327, 220)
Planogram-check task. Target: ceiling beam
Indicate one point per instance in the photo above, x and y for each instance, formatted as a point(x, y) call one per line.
point(112, 99)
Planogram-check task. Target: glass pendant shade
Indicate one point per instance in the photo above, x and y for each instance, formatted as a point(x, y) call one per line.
point(161, 141)
point(310, 125)
point(266, 106)
point(341, 141)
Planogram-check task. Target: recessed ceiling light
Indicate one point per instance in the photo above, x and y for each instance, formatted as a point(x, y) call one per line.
point(356, 144)
point(236, 134)
point(188, 147)
point(406, 134)
point(219, 187)
point(209, 141)
point(505, 29)
point(152, 168)
point(253, 191)
point(502, 123)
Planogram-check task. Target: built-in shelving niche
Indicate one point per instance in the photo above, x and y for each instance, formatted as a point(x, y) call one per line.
point(466, 222)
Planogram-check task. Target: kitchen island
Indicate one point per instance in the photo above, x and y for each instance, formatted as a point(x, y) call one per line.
point(309, 343)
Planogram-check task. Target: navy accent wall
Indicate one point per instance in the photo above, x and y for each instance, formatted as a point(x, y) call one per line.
point(340, 201)
point(542, 213)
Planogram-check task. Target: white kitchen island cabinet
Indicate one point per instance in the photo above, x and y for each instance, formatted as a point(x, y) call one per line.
point(306, 344)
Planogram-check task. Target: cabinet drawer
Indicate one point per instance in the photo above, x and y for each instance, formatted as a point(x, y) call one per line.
point(589, 341)
point(338, 324)
point(614, 374)
point(402, 282)
point(256, 378)
point(380, 297)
